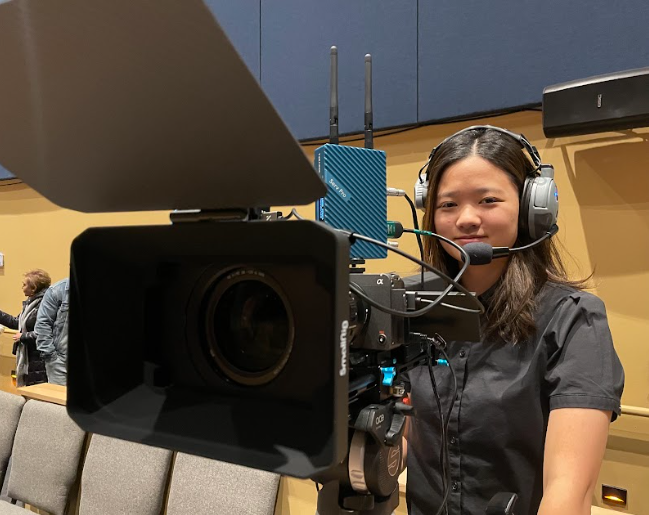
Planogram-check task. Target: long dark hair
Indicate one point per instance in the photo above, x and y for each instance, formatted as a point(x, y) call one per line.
point(512, 305)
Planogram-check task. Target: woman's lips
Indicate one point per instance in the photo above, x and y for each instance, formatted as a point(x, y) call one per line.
point(470, 239)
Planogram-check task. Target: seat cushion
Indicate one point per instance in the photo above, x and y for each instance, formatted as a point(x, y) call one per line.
point(129, 477)
point(45, 457)
point(204, 486)
point(10, 406)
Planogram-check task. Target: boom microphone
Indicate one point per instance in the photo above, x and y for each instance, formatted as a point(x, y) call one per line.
point(483, 253)
point(479, 253)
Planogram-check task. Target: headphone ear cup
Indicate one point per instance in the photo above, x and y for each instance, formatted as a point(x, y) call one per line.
point(539, 207)
point(421, 193)
point(524, 211)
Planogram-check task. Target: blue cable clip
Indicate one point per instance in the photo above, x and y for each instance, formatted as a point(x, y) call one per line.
point(442, 362)
point(388, 375)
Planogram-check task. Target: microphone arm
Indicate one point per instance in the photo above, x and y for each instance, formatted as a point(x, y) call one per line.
point(483, 253)
point(500, 252)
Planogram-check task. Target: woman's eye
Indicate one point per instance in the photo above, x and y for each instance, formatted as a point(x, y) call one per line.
point(447, 204)
point(489, 200)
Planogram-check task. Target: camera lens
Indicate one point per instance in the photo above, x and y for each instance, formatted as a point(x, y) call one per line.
point(249, 327)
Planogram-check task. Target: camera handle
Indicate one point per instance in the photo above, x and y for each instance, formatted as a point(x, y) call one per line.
point(366, 482)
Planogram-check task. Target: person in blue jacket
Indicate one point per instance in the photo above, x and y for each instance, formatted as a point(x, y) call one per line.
point(52, 331)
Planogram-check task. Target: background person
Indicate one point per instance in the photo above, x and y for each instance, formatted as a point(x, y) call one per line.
point(52, 331)
point(30, 368)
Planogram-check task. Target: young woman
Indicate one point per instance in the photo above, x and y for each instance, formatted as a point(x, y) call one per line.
point(30, 368)
point(535, 397)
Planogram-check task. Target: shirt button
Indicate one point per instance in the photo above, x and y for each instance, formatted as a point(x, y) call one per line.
point(462, 353)
point(455, 486)
point(453, 440)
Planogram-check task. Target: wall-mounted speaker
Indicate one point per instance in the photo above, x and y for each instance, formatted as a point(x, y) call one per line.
point(603, 103)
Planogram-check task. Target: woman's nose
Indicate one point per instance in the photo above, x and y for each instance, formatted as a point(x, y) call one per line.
point(468, 217)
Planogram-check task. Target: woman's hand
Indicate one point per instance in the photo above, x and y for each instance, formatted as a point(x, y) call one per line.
point(17, 336)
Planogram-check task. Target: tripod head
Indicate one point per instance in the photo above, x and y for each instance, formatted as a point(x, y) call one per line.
point(366, 482)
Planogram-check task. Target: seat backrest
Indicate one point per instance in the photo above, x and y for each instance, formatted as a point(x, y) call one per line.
point(204, 486)
point(11, 406)
point(123, 477)
point(45, 456)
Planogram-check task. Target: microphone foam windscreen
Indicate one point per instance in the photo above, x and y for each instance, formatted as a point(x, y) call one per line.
point(479, 253)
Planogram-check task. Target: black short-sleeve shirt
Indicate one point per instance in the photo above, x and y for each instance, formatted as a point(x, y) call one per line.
point(505, 393)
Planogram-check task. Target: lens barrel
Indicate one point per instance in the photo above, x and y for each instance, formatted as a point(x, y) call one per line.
point(248, 326)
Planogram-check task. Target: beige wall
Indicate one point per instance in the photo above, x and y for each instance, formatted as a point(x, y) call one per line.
point(34, 233)
point(604, 224)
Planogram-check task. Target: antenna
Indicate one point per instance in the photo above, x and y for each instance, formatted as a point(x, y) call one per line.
point(333, 102)
point(369, 122)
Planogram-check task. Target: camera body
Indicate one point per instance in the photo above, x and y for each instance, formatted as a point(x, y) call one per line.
point(373, 329)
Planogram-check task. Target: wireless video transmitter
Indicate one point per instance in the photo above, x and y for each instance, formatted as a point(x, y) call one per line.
point(356, 197)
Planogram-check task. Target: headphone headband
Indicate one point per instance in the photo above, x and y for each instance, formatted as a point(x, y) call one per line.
point(539, 198)
point(522, 140)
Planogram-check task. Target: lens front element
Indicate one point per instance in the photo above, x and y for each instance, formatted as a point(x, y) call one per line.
point(249, 327)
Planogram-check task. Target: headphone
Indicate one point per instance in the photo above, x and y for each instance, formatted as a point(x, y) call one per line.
point(539, 202)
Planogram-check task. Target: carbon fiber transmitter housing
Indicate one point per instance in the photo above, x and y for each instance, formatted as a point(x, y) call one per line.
point(356, 194)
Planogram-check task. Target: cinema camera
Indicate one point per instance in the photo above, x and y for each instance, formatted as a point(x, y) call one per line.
point(221, 334)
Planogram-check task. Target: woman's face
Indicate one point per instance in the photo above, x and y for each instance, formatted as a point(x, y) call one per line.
point(476, 202)
point(28, 289)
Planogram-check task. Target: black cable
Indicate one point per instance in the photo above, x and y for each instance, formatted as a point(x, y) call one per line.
point(427, 309)
point(453, 282)
point(450, 409)
point(415, 223)
point(431, 304)
point(444, 474)
point(437, 236)
point(421, 181)
point(448, 416)
point(293, 213)
point(416, 313)
point(543, 238)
